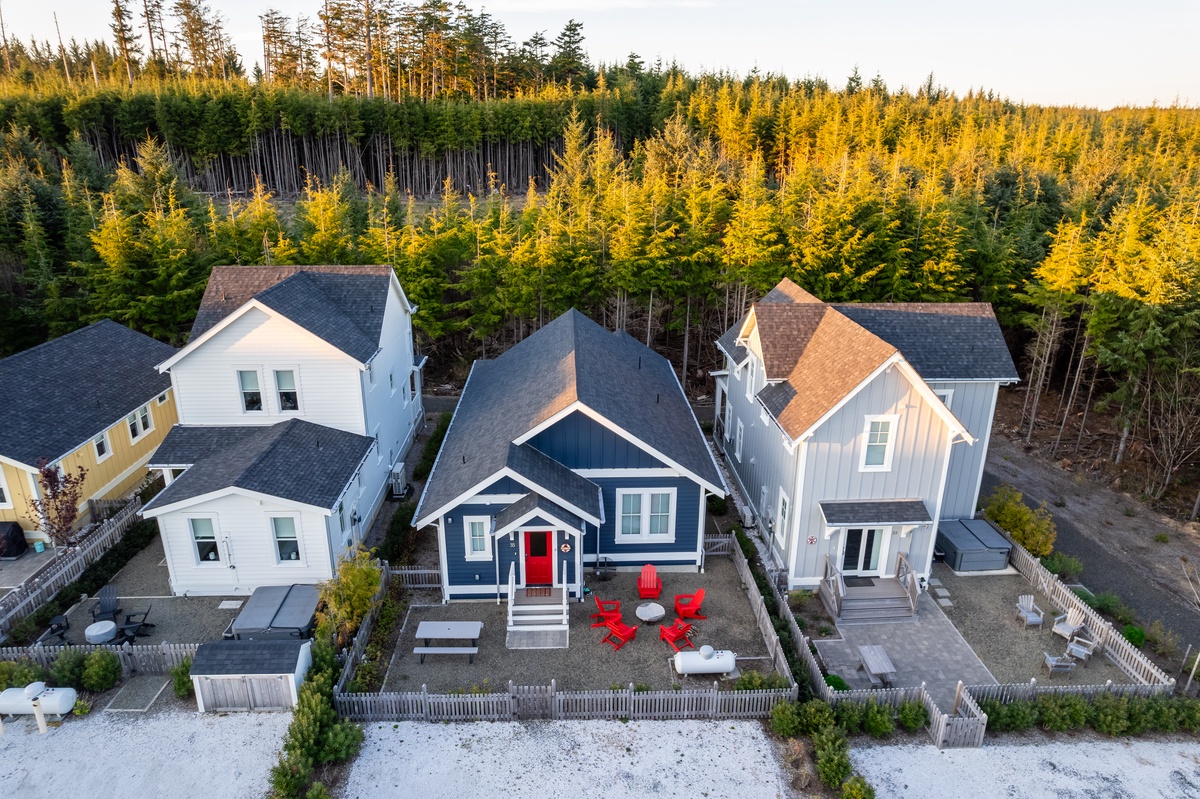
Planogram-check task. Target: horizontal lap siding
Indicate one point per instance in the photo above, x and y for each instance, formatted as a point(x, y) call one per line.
point(463, 572)
point(972, 404)
point(389, 410)
point(687, 520)
point(206, 380)
point(245, 523)
point(578, 442)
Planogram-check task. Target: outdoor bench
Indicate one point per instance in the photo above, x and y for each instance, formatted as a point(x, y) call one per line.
point(469, 651)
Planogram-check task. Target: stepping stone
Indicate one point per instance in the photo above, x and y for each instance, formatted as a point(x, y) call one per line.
point(932, 580)
point(946, 603)
point(941, 592)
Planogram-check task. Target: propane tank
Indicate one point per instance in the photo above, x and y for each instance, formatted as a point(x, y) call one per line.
point(706, 660)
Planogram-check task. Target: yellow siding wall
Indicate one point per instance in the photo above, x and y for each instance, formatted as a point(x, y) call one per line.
point(116, 475)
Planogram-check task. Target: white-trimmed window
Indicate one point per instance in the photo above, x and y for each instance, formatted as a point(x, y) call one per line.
point(286, 390)
point(250, 390)
point(103, 449)
point(162, 398)
point(204, 539)
point(728, 418)
point(5, 497)
point(378, 448)
point(412, 385)
point(737, 443)
point(140, 422)
point(944, 394)
point(287, 540)
point(750, 378)
point(392, 381)
point(477, 537)
point(781, 518)
point(646, 514)
point(879, 439)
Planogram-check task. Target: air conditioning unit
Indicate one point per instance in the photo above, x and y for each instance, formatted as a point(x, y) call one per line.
point(748, 520)
point(398, 486)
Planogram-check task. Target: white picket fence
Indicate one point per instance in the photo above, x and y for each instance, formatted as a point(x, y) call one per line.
point(65, 568)
point(1030, 691)
point(141, 659)
point(719, 544)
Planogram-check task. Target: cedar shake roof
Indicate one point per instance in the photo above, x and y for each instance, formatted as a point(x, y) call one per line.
point(343, 305)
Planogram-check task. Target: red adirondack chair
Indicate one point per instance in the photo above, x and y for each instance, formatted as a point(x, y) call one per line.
point(687, 606)
point(619, 634)
point(610, 610)
point(649, 584)
point(678, 633)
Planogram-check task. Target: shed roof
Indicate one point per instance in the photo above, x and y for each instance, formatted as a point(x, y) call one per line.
point(66, 391)
point(216, 658)
point(867, 512)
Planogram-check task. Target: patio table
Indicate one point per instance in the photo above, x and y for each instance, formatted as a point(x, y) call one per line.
point(450, 630)
point(101, 632)
point(877, 664)
point(650, 612)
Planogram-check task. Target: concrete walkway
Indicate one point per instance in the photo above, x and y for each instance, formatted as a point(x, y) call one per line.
point(926, 649)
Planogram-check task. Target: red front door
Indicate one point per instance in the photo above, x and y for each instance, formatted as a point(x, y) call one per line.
point(539, 560)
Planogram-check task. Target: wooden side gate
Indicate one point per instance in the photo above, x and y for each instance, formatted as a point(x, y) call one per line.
point(533, 701)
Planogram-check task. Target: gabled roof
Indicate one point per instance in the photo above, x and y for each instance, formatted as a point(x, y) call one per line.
point(570, 363)
point(342, 305)
point(64, 392)
point(246, 657)
point(533, 505)
point(294, 460)
point(544, 471)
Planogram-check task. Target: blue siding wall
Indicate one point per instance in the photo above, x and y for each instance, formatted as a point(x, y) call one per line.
point(505, 485)
point(580, 443)
point(687, 521)
point(463, 572)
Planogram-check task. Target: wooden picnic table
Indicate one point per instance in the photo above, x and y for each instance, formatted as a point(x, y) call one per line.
point(450, 630)
point(877, 664)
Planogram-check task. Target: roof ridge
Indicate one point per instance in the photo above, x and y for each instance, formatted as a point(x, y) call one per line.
point(265, 451)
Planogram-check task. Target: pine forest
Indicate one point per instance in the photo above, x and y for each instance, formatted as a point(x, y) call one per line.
point(507, 182)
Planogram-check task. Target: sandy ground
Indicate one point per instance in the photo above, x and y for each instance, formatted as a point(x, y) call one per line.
point(163, 755)
point(1063, 770)
point(687, 759)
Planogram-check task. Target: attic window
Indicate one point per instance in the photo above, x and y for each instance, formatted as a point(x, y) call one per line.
point(162, 398)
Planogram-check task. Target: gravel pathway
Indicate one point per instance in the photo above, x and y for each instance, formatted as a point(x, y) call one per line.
point(686, 759)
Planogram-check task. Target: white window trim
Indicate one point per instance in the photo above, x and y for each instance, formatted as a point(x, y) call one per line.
point(376, 445)
point(728, 418)
point(237, 385)
point(945, 395)
point(893, 421)
point(737, 443)
point(191, 534)
point(108, 450)
point(644, 537)
point(781, 518)
point(487, 538)
point(6, 497)
point(300, 558)
point(137, 416)
point(392, 381)
point(749, 386)
point(295, 370)
point(162, 398)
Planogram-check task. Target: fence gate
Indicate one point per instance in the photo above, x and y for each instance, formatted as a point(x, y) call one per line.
point(532, 702)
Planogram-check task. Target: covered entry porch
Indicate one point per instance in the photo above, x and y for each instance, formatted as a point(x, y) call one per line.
point(867, 574)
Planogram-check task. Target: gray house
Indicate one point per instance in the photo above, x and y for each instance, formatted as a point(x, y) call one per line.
point(853, 430)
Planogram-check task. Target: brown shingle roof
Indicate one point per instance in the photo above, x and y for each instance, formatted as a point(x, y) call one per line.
point(786, 291)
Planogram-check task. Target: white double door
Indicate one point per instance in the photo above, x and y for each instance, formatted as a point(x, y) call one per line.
point(865, 550)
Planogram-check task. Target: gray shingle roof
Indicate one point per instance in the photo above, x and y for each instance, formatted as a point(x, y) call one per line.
point(866, 512)
point(295, 460)
point(246, 657)
point(728, 343)
point(531, 502)
point(64, 392)
point(570, 359)
point(548, 473)
point(343, 305)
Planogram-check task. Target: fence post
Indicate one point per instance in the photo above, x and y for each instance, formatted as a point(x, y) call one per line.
point(425, 701)
point(512, 700)
point(553, 698)
point(629, 699)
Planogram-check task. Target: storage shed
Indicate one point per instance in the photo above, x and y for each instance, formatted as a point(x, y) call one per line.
point(973, 545)
point(249, 675)
point(277, 612)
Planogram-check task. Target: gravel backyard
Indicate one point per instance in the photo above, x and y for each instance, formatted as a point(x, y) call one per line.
point(686, 759)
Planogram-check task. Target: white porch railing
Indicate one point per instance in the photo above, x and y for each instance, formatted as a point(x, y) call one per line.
point(566, 619)
point(908, 580)
point(512, 591)
point(833, 588)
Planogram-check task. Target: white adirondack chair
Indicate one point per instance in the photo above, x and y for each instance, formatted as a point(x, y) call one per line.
point(1058, 665)
point(1069, 624)
point(1028, 612)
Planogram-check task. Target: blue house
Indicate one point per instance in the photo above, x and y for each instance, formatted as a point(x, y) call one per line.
point(576, 445)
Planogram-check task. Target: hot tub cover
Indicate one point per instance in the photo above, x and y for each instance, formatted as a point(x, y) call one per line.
point(278, 611)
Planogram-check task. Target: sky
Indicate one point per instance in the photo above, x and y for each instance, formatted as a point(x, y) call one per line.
point(1063, 52)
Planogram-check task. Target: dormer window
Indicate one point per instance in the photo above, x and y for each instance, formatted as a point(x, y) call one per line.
point(251, 393)
point(878, 442)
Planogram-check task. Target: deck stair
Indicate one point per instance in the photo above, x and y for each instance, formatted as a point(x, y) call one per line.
point(886, 599)
point(537, 622)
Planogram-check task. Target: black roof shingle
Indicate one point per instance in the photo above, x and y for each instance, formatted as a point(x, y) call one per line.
point(216, 658)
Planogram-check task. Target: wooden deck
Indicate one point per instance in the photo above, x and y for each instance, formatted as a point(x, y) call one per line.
point(885, 599)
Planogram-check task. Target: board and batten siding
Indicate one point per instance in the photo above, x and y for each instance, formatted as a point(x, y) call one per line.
point(832, 471)
point(579, 442)
point(246, 541)
point(205, 381)
point(974, 405)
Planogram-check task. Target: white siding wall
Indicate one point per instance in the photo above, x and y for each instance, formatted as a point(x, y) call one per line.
point(206, 388)
point(246, 541)
point(974, 405)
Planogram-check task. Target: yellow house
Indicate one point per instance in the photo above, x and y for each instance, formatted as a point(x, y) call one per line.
point(92, 398)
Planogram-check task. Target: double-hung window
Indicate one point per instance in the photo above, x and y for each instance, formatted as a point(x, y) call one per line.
point(287, 543)
point(646, 515)
point(285, 386)
point(251, 392)
point(782, 522)
point(103, 450)
point(737, 442)
point(140, 422)
point(477, 539)
point(879, 434)
point(204, 536)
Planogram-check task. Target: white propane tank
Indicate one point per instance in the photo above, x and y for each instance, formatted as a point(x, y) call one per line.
point(19, 701)
point(706, 661)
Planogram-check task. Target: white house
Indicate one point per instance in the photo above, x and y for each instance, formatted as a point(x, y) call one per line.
point(853, 430)
point(298, 396)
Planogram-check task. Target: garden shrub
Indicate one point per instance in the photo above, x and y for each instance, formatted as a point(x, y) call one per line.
point(81, 708)
point(1187, 714)
point(833, 757)
point(1087, 596)
point(318, 791)
point(814, 715)
point(744, 543)
point(849, 716)
point(857, 787)
point(1062, 712)
point(348, 596)
point(290, 775)
point(19, 673)
point(1125, 614)
point(432, 447)
point(912, 715)
point(181, 679)
point(717, 506)
point(1106, 602)
point(836, 683)
point(1109, 714)
point(340, 741)
point(1068, 568)
point(101, 671)
point(878, 720)
point(1163, 713)
point(1140, 716)
point(1019, 715)
point(401, 537)
point(1032, 529)
point(1164, 642)
point(1134, 635)
point(68, 668)
point(785, 720)
point(757, 681)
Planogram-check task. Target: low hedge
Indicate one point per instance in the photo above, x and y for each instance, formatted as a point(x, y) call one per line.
point(432, 447)
point(1108, 714)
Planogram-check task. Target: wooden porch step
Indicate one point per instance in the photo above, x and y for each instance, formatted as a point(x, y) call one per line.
point(554, 597)
point(873, 614)
point(538, 638)
point(538, 618)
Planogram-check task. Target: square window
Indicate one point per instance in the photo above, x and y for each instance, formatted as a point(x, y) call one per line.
point(287, 546)
point(646, 515)
point(251, 395)
point(162, 399)
point(285, 383)
point(205, 537)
